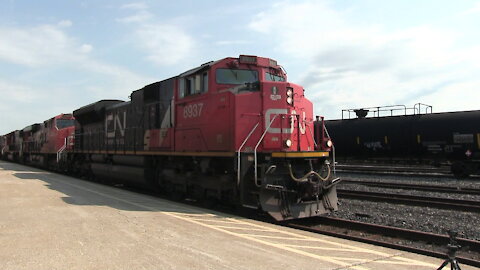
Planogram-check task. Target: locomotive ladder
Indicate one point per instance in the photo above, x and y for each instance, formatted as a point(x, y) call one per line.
point(255, 153)
point(239, 152)
point(62, 150)
point(255, 150)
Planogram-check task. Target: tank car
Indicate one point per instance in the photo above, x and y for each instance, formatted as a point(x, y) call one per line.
point(233, 130)
point(451, 138)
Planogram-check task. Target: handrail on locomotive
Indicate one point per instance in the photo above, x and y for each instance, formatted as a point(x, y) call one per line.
point(240, 149)
point(256, 147)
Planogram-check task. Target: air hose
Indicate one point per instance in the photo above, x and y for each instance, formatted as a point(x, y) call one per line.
point(305, 178)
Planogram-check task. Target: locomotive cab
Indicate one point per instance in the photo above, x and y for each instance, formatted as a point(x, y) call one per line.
point(244, 108)
point(282, 167)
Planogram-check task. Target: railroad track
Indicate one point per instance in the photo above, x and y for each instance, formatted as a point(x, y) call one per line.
point(432, 188)
point(389, 237)
point(444, 203)
point(389, 169)
point(397, 170)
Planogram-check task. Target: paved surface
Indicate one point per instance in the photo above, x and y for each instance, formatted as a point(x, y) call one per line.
point(51, 221)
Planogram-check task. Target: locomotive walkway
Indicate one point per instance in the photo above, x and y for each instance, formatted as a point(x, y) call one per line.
point(51, 221)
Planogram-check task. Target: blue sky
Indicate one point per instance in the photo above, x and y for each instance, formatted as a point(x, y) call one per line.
point(56, 56)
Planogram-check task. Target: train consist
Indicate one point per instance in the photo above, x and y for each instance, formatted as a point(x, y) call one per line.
point(233, 130)
point(40, 144)
point(416, 136)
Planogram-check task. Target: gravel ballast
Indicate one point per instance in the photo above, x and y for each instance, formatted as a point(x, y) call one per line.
point(427, 219)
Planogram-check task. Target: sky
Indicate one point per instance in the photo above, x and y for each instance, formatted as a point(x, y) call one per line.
point(56, 55)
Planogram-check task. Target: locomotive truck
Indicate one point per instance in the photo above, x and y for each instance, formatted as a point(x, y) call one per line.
point(233, 130)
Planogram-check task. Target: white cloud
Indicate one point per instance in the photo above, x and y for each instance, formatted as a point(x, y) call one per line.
point(16, 103)
point(135, 6)
point(141, 13)
point(348, 65)
point(455, 97)
point(86, 48)
point(137, 17)
point(164, 43)
point(232, 42)
point(36, 46)
point(65, 23)
point(48, 48)
point(16, 93)
point(473, 10)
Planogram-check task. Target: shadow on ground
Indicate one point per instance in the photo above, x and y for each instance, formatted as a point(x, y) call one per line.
point(83, 192)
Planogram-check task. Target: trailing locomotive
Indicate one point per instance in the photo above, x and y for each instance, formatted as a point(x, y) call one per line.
point(451, 138)
point(233, 130)
point(40, 144)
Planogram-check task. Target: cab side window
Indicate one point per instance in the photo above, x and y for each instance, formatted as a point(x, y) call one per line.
point(194, 84)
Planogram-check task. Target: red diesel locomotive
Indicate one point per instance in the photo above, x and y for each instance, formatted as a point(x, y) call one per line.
point(40, 144)
point(233, 130)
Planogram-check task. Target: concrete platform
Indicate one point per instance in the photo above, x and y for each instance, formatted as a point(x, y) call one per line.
point(51, 221)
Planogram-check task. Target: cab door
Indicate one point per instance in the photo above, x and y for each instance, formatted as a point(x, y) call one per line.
point(192, 112)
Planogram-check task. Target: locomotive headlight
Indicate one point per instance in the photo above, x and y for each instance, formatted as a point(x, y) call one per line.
point(289, 96)
point(329, 143)
point(288, 143)
point(289, 92)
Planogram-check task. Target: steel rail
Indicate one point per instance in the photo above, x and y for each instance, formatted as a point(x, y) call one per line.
point(434, 188)
point(311, 225)
point(444, 203)
point(395, 170)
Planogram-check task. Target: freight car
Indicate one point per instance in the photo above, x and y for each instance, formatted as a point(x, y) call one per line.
point(232, 130)
point(416, 136)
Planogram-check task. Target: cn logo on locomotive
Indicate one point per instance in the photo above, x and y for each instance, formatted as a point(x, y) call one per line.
point(114, 122)
point(293, 118)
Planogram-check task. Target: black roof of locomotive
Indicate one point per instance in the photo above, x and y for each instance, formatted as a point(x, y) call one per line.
point(93, 112)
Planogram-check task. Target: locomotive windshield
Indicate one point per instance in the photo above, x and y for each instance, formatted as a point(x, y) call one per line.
point(64, 123)
point(273, 78)
point(236, 76)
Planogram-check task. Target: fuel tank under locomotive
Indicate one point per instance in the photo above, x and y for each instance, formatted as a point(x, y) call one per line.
point(130, 170)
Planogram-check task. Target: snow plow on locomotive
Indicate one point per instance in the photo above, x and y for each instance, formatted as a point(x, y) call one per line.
point(233, 131)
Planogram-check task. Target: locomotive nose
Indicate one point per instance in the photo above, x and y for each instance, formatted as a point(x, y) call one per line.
point(287, 193)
